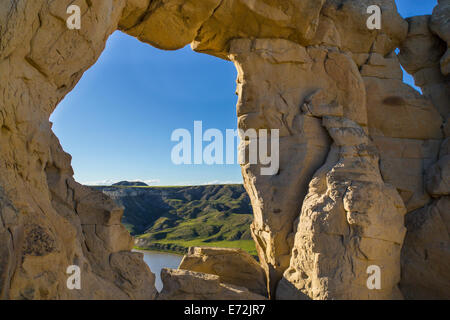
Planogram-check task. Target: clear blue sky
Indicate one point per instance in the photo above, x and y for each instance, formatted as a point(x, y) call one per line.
point(118, 120)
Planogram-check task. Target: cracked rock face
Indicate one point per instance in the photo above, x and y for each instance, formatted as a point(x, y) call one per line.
point(359, 149)
point(190, 285)
point(233, 266)
point(350, 220)
point(48, 221)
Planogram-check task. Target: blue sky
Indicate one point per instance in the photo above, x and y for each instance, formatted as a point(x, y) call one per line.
point(117, 122)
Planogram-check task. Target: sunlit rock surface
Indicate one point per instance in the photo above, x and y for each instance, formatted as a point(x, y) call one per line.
point(311, 69)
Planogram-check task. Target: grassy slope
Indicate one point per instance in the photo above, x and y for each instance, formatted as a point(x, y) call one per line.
point(175, 218)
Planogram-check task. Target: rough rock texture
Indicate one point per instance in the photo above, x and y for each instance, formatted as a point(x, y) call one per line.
point(437, 177)
point(440, 25)
point(421, 55)
point(426, 253)
point(311, 69)
point(406, 128)
point(233, 266)
point(189, 285)
point(270, 91)
point(350, 220)
point(48, 221)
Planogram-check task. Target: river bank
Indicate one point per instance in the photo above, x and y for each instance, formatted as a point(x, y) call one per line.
point(181, 247)
point(159, 260)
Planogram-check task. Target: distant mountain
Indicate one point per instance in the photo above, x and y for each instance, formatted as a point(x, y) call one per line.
point(131, 184)
point(174, 218)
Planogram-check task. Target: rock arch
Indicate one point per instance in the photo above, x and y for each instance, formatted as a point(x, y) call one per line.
point(309, 68)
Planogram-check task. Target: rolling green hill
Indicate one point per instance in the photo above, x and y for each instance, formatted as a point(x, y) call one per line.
point(175, 218)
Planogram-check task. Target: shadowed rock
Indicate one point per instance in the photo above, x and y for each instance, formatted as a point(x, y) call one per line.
point(189, 285)
point(311, 69)
point(233, 266)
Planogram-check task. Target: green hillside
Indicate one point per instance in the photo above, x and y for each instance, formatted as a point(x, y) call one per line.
point(175, 218)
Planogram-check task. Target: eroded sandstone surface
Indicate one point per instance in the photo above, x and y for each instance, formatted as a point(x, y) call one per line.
point(359, 149)
point(190, 285)
point(233, 266)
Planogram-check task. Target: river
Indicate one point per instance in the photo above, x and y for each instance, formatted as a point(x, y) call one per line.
point(158, 260)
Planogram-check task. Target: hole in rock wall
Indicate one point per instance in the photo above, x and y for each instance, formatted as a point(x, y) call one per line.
point(117, 125)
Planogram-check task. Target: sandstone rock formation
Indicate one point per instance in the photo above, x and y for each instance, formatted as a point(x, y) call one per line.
point(270, 98)
point(350, 220)
point(425, 255)
point(311, 69)
point(48, 221)
point(440, 25)
point(233, 266)
point(426, 252)
point(189, 285)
